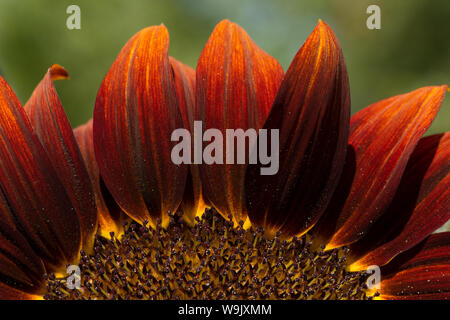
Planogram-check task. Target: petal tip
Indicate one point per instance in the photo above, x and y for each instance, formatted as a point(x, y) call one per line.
point(58, 72)
point(160, 30)
point(323, 25)
point(227, 25)
point(224, 22)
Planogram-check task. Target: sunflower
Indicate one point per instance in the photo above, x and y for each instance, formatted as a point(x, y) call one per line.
point(352, 194)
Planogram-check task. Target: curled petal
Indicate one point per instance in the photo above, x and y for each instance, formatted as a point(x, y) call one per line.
point(420, 273)
point(382, 138)
point(39, 204)
point(135, 113)
point(53, 129)
point(420, 206)
point(235, 87)
point(193, 203)
point(312, 111)
point(110, 217)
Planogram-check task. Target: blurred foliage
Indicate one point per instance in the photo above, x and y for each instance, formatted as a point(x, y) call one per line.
point(410, 50)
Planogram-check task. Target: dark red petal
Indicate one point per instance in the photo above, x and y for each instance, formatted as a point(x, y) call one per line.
point(9, 293)
point(312, 111)
point(51, 125)
point(382, 138)
point(420, 206)
point(38, 201)
point(20, 267)
point(420, 273)
point(235, 87)
point(193, 203)
point(13, 273)
point(136, 112)
point(110, 216)
point(184, 79)
point(431, 296)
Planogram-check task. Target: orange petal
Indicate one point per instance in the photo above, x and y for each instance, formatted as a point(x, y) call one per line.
point(382, 138)
point(312, 112)
point(135, 113)
point(53, 129)
point(420, 206)
point(193, 203)
point(421, 273)
point(39, 204)
point(236, 85)
point(110, 217)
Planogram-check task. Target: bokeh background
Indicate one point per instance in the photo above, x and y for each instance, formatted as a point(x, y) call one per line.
point(412, 49)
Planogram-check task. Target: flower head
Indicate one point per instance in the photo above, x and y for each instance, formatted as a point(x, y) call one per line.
point(349, 193)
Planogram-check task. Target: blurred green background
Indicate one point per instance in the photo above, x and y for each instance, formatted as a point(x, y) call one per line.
point(412, 49)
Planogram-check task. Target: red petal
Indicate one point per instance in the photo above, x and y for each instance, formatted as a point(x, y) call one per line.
point(382, 137)
point(51, 125)
point(312, 111)
point(13, 274)
point(110, 216)
point(37, 198)
point(8, 293)
point(420, 206)
point(421, 273)
point(135, 114)
point(431, 296)
point(428, 282)
point(184, 79)
point(20, 267)
point(193, 203)
point(236, 85)
point(434, 250)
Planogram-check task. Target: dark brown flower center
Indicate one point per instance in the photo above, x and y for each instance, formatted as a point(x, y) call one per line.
point(211, 260)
